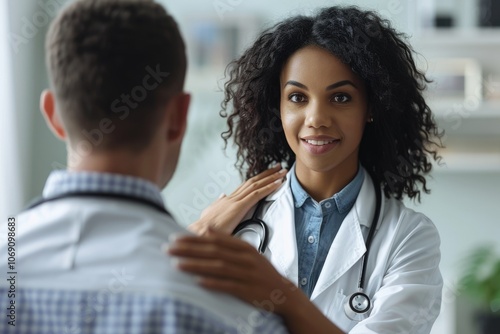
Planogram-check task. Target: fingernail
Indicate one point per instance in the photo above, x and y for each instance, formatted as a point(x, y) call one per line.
point(174, 262)
point(282, 171)
point(276, 165)
point(164, 247)
point(279, 181)
point(172, 238)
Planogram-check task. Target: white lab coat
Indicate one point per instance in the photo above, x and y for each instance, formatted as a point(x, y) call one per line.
point(114, 246)
point(402, 277)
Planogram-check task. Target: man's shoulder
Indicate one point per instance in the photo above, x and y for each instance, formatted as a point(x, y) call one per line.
point(87, 240)
point(158, 312)
point(116, 249)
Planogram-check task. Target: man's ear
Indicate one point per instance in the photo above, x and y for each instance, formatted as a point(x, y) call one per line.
point(177, 118)
point(48, 109)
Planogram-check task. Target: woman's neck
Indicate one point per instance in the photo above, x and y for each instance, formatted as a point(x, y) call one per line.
point(324, 184)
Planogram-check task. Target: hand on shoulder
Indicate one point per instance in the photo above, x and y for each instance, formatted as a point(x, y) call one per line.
point(227, 211)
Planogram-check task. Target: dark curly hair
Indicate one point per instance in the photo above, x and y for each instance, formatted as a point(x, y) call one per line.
point(396, 148)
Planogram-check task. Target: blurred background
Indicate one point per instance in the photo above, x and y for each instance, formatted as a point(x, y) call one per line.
point(458, 42)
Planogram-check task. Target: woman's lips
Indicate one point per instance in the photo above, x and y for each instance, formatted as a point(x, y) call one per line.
point(319, 145)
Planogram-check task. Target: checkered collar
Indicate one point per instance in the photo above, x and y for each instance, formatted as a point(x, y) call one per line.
point(61, 182)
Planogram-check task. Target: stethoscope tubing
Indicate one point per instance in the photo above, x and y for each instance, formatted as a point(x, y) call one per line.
point(371, 233)
point(256, 221)
point(89, 194)
point(352, 299)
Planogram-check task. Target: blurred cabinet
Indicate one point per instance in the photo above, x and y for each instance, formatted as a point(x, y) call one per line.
point(471, 122)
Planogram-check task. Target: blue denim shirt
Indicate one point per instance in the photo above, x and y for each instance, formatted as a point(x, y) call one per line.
point(317, 224)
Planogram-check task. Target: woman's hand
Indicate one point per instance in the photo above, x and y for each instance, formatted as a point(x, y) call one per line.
point(227, 264)
point(227, 211)
point(231, 265)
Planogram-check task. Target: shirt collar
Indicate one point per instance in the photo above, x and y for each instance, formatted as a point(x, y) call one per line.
point(61, 182)
point(344, 199)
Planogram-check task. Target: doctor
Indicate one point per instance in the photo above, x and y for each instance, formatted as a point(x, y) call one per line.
point(344, 254)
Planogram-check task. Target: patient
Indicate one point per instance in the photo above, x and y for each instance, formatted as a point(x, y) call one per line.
point(88, 257)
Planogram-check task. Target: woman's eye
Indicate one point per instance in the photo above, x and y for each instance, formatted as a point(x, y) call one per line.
point(296, 98)
point(341, 98)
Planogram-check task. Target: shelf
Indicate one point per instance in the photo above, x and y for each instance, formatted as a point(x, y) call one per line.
point(459, 119)
point(472, 135)
point(483, 37)
point(482, 45)
point(484, 109)
point(482, 162)
point(473, 152)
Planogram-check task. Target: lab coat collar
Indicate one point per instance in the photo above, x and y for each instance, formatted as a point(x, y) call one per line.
point(364, 207)
point(280, 217)
point(346, 250)
point(349, 246)
point(285, 186)
point(364, 210)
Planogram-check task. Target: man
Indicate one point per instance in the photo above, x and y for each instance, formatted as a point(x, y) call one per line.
point(88, 258)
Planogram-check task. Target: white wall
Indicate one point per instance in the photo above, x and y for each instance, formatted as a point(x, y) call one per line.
point(11, 192)
point(37, 148)
point(465, 208)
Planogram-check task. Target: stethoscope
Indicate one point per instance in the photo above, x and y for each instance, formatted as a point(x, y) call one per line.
point(356, 305)
point(254, 229)
point(141, 200)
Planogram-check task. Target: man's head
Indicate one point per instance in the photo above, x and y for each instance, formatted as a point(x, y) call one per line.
point(117, 70)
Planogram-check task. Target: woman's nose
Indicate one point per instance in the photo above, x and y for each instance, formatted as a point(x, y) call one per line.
point(317, 116)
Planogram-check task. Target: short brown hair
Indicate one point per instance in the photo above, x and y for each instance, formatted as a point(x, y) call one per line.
point(117, 62)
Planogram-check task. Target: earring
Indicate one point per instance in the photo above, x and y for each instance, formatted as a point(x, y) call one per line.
point(370, 120)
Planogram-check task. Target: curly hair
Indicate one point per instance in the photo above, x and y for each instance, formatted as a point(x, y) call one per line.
point(396, 149)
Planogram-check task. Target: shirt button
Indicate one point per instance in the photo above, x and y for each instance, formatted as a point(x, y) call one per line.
point(328, 205)
point(303, 281)
point(310, 239)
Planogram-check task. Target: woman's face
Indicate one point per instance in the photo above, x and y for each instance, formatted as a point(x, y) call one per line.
point(323, 110)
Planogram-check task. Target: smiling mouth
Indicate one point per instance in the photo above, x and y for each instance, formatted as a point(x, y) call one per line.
point(319, 142)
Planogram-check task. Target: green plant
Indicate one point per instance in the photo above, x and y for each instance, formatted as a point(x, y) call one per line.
point(481, 277)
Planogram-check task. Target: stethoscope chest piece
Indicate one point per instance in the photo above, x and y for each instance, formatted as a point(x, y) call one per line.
point(357, 305)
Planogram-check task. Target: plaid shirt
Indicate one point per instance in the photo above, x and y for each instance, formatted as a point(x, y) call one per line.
point(94, 309)
point(61, 182)
point(87, 312)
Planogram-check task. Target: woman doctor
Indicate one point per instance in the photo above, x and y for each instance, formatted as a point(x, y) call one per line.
point(336, 97)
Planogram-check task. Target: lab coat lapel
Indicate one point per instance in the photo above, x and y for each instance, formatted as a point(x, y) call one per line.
point(347, 248)
point(349, 244)
point(280, 219)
